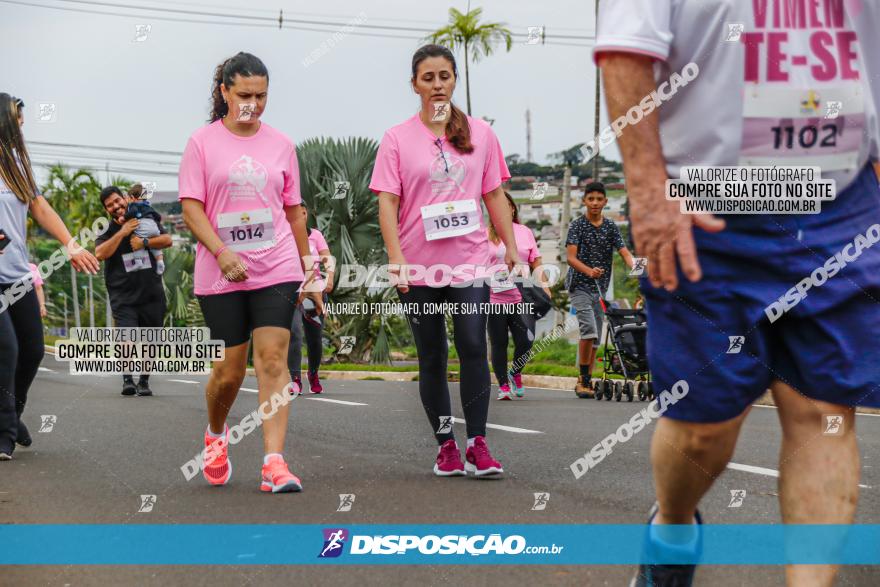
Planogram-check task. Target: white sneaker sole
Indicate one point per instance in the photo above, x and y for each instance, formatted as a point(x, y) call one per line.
point(456, 473)
point(290, 487)
point(490, 472)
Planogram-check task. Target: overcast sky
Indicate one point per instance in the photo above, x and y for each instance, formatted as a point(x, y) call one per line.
point(112, 91)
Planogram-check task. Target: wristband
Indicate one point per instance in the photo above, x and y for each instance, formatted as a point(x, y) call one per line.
point(220, 250)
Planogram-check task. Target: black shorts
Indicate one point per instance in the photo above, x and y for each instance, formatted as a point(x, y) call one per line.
point(149, 314)
point(233, 316)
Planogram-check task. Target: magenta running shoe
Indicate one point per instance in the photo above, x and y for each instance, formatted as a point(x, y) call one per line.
point(480, 461)
point(504, 391)
point(449, 460)
point(315, 383)
point(518, 388)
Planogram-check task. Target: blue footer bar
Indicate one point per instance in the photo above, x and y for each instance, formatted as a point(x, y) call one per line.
point(404, 544)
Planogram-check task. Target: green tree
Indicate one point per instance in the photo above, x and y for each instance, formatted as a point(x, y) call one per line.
point(477, 39)
point(351, 227)
point(75, 195)
point(178, 283)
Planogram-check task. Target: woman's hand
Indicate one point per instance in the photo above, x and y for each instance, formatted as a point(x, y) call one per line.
point(319, 302)
point(514, 265)
point(82, 260)
point(398, 271)
point(231, 266)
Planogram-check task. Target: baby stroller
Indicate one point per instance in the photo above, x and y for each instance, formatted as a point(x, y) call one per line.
point(625, 343)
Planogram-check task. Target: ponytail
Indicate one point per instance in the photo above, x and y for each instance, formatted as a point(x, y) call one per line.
point(219, 107)
point(459, 131)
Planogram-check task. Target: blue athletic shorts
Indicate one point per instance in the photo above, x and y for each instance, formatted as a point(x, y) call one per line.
point(826, 345)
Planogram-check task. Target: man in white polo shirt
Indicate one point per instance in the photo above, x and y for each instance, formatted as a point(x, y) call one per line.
point(781, 82)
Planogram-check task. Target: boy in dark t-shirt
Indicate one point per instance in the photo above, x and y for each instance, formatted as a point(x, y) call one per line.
point(590, 244)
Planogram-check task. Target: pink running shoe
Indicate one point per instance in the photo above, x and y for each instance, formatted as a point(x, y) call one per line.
point(518, 388)
point(295, 387)
point(479, 461)
point(449, 460)
point(504, 391)
point(315, 383)
point(277, 477)
point(218, 468)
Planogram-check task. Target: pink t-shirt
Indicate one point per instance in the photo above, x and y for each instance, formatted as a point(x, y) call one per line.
point(38, 281)
point(440, 219)
point(317, 243)
point(528, 252)
point(245, 183)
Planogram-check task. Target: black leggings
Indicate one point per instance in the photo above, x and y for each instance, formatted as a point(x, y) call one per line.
point(21, 351)
point(314, 344)
point(522, 327)
point(429, 333)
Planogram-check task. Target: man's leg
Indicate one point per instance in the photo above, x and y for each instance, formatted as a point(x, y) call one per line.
point(151, 314)
point(687, 457)
point(818, 472)
point(125, 316)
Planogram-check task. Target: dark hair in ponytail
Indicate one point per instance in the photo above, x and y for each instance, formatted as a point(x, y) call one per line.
point(458, 130)
point(243, 64)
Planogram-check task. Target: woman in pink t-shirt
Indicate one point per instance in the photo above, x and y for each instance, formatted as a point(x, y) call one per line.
point(239, 188)
point(306, 320)
point(505, 291)
point(432, 172)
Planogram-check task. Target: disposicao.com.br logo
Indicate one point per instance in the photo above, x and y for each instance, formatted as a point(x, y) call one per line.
point(403, 544)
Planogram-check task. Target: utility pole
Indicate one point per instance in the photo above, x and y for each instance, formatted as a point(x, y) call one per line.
point(75, 299)
point(66, 329)
point(109, 310)
point(596, 117)
point(566, 213)
point(528, 135)
point(91, 302)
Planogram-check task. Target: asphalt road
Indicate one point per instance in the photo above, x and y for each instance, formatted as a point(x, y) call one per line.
point(369, 438)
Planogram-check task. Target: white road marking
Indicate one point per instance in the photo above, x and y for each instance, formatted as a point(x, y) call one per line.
point(502, 427)
point(336, 401)
point(184, 381)
point(765, 471)
point(47, 370)
point(250, 390)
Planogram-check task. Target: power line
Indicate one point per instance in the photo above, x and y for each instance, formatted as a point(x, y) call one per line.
point(317, 15)
point(266, 21)
point(130, 170)
point(96, 147)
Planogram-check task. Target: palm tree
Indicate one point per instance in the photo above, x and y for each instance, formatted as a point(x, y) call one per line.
point(178, 283)
point(75, 194)
point(351, 228)
point(478, 40)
